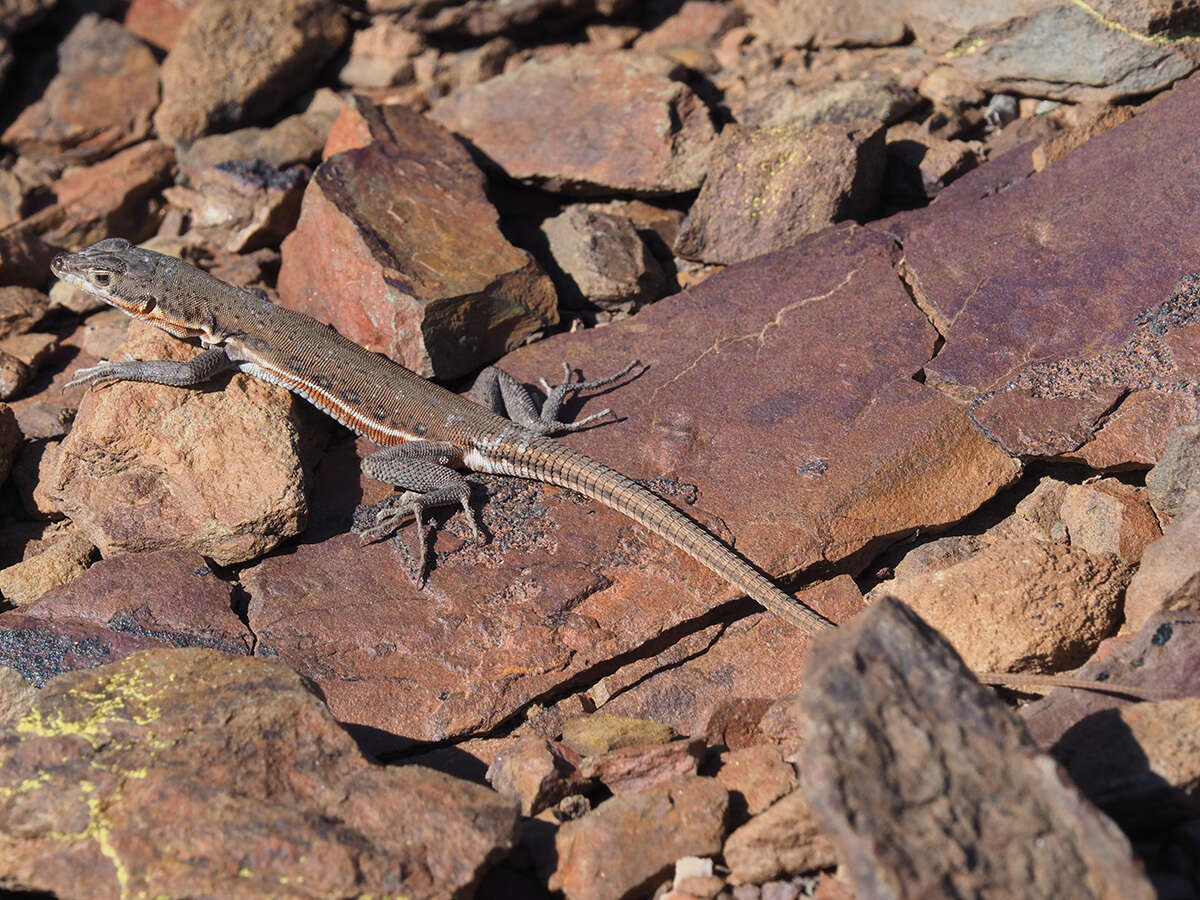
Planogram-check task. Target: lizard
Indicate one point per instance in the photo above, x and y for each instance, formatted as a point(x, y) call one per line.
point(427, 433)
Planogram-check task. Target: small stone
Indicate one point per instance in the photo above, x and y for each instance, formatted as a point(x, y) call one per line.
point(104, 331)
point(20, 309)
point(158, 22)
point(800, 23)
point(61, 563)
point(24, 256)
point(1177, 474)
point(41, 419)
point(270, 51)
point(16, 696)
point(381, 55)
point(769, 187)
point(920, 165)
point(290, 142)
point(603, 732)
point(10, 440)
point(14, 375)
point(33, 474)
point(643, 766)
point(757, 776)
point(534, 772)
point(1169, 576)
point(784, 839)
point(481, 63)
point(773, 104)
point(1109, 516)
point(33, 348)
point(695, 23)
point(76, 300)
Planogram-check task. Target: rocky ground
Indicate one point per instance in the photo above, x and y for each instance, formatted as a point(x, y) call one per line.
point(913, 284)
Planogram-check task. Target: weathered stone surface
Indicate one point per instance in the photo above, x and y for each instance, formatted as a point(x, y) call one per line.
point(148, 467)
point(602, 260)
point(381, 55)
point(14, 375)
point(781, 841)
point(170, 596)
point(826, 23)
point(145, 794)
point(921, 778)
point(920, 165)
point(535, 772)
point(564, 585)
point(769, 187)
point(755, 777)
point(1109, 516)
point(40, 649)
point(629, 843)
point(1169, 576)
point(1147, 774)
point(1098, 239)
point(42, 419)
point(602, 732)
point(10, 440)
point(398, 248)
point(661, 148)
point(773, 103)
point(1177, 473)
point(641, 767)
point(100, 100)
point(20, 309)
point(61, 563)
point(16, 695)
point(270, 52)
point(293, 141)
point(34, 348)
point(116, 196)
point(483, 18)
point(158, 22)
point(24, 257)
point(695, 23)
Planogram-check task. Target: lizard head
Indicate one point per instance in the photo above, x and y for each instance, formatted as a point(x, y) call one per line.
point(131, 279)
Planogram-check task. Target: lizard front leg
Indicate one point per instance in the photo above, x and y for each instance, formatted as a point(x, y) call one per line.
point(198, 369)
point(500, 392)
point(423, 470)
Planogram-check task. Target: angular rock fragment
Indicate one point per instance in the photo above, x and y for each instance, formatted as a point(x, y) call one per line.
point(534, 772)
point(769, 187)
point(695, 23)
point(10, 440)
point(61, 563)
point(100, 100)
point(1176, 476)
point(145, 795)
point(20, 309)
point(296, 140)
point(484, 18)
point(399, 249)
point(270, 52)
point(781, 841)
point(1109, 516)
point(641, 767)
point(158, 22)
point(772, 104)
point(662, 147)
point(602, 732)
point(800, 23)
point(24, 256)
point(629, 843)
point(14, 375)
point(381, 55)
point(1169, 576)
point(756, 777)
point(149, 467)
point(921, 778)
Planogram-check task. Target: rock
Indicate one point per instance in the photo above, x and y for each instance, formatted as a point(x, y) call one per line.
point(158, 22)
point(1177, 474)
point(16, 696)
point(534, 772)
point(103, 332)
point(14, 375)
point(478, 64)
point(148, 467)
point(1019, 606)
point(1169, 576)
point(381, 55)
point(602, 261)
point(1090, 120)
point(271, 51)
point(61, 563)
point(892, 713)
point(296, 140)
point(399, 249)
point(24, 257)
point(769, 187)
point(777, 104)
point(10, 440)
point(783, 840)
point(169, 596)
point(116, 196)
point(99, 102)
point(601, 732)
point(21, 308)
point(661, 148)
point(40, 419)
point(1109, 516)
point(40, 649)
point(34, 348)
point(629, 843)
point(755, 777)
point(32, 475)
point(76, 300)
point(151, 798)
point(18, 15)
point(919, 166)
point(799, 23)
point(643, 766)
point(482, 18)
point(240, 206)
point(1147, 776)
point(695, 23)
point(13, 191)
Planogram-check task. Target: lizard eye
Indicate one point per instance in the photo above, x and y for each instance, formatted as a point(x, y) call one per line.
point(102, 278)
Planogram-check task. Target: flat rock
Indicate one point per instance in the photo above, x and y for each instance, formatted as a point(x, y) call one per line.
point(158, 22)
point(756, 777)
point(41, 650)
point(1177, 474)
point(145, 794)
point(641, 767)
point(271, 51)
point(399, 248)
point(1109, 516)
point(781, 841)
point(800, 23)
point(296, 140)
point(170, 596)
point(1169, 576)
point(769, 187)
point(921, 778)
point(21, 308)
point(100, 100)
point(630, 842)
point(483, 18)
point(662, 147)
point(381, 55)
point(21, 584)
point(564, 585)
point(220, 472)
point(1100, 238)
point(773, 103)
point(603, 732)
point(695, 24)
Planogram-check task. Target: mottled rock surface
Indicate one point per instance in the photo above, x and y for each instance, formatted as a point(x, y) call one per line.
point(602, 261)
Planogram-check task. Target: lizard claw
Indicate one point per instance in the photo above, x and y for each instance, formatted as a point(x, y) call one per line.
point(99, 375)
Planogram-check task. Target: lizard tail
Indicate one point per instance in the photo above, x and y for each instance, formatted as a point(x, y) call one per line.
point(554, 463)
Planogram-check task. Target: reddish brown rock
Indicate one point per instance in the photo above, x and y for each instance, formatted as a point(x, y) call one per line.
point(1109, 516)
point(14, 376)
point(769, 187)
point(399, 248)
point(296, 140)
point(60, 563)
point(920, 165)
point(1169, 576)
point(148, 467)
point(661, 148)
point(34, 348)
point(41, 650)
point(24, 256)
point(381, 55)
point(158, 22)
point(641, 767)
point(781, 841)
point(16, 696)
point(100, 100)
point(21, 308)
point(756, 777)
point(696, 23)
point(1176, 476)
point(271, 50)
point(774, 103)
point(799, 23)
point(534, 772)
point(483, 18)
point(892, 711)
point(145, 795)
point(629, 843)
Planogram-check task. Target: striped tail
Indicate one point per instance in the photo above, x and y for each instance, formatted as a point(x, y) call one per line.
point(553, 463)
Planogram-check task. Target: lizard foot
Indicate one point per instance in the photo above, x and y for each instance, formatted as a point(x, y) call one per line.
point(389, 520)
point(100, 375)
point(558, 393)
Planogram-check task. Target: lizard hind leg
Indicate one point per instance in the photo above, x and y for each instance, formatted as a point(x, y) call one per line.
point(423, 470)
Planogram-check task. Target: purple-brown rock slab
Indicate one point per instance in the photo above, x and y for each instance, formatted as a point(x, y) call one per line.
point(1164, 655)
point(399, 248)
point(100, 100)
point(792, 372)
point(924, 781)
point(662, 146)
point(41, 649)
point(1099, 238)
point(193, 773)
point(170, 596)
